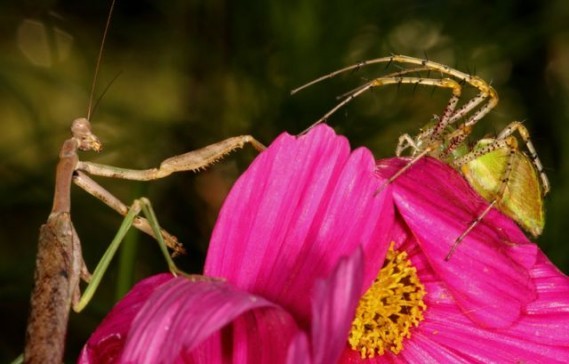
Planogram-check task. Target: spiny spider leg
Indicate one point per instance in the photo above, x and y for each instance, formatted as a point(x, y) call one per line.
point(524, 134)
point(422, 63)
point(403, 72)
point(405, 142)
point(444, 83)
point(485, 90)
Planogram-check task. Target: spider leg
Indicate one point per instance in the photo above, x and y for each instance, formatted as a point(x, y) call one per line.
point(450, 114)
point(405, 142)
point(383, 81)
point(524, 134)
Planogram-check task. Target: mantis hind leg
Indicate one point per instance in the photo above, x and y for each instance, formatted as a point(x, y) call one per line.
point(143, 206)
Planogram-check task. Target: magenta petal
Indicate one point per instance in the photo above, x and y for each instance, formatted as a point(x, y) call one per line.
point(333, 307)
point(260, 335)
point(534, 338)
point(540, 335)
point(488, 274)
point(106, 344)
point(334, 304)
point(299, 350)
point(302, 204)
point(547, 319)
point(423, 350)
point(181, 314)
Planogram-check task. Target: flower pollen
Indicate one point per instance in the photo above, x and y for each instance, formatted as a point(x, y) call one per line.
point(389, 309)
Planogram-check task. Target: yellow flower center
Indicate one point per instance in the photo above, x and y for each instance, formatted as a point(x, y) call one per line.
point(389, 309)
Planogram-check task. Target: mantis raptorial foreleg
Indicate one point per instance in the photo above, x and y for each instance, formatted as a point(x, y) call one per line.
point(191, 161)
point(84, 181)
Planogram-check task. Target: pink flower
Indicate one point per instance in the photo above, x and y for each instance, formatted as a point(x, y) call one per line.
point(301, 238)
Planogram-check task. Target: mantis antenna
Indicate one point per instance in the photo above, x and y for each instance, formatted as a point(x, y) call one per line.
point(99, 59)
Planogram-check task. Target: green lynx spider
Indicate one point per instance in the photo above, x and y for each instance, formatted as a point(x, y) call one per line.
point(509, 179)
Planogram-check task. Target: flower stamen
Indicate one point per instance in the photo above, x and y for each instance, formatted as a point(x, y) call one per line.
point(389, 309)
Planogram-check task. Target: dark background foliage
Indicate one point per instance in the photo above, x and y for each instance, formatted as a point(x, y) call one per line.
point(195, 72)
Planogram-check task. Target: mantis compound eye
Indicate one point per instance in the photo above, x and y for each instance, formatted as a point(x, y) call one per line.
point(81, 130)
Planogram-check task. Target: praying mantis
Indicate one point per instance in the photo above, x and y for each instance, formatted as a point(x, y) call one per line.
point(59, 262)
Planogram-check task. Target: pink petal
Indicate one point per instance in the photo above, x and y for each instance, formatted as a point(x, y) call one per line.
point(176, 318)
point(257, 336)
point(547, 318)
point(446, 327)
point(182, 314)
point(540, 335)
point(183, 319)
point(423, 350)
point(106, 343)
point(334, 304)
point(303, 203)
point(488, 274)
point(299, 350)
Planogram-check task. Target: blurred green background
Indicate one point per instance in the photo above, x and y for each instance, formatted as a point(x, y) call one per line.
point(194, 72)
